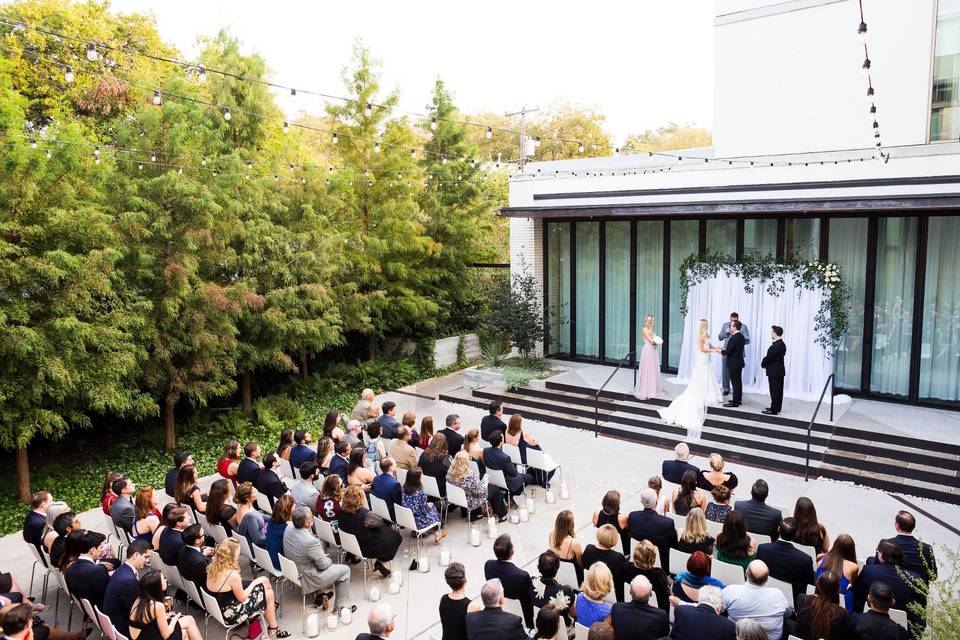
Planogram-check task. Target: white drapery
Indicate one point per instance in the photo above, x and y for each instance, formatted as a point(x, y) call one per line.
point(795, 309)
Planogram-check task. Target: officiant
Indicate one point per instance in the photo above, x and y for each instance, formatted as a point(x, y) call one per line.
point(724, 336)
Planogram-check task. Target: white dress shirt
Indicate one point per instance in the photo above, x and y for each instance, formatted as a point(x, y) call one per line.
point(766, 605)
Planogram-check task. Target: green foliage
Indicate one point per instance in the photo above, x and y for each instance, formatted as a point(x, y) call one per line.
point(668, 138)
point(517, 374)
point(515, 311)
point(942, 597)
point(494, 353)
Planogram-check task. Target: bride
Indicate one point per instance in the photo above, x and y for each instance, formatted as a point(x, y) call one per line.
point(690, 408)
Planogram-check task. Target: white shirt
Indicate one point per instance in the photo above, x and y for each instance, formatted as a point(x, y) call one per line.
point(766, 605)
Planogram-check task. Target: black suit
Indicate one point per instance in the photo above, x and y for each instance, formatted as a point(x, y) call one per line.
point(760, 518)
point(171, 480)
point(495, 458)
point(659, 530)
point(270, 485)
point(735, 363)
point(489, 424)
point(889, 573)
point(516, 585)
point(493, 623)
point(879, 626)
point(248, 471)
point(122, 591)
point(776, 372)
point(454, 441)
point(917, 557)
point(789, 564)
point(193, 566)
point(673, 470)
point(635, 621)
point(367, 636)
point(33, 528)
point(171, 541)
point(339, 466)
point(701, 622)
point(88, 580)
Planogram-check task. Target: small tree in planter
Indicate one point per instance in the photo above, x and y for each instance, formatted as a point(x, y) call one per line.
point(515, 311)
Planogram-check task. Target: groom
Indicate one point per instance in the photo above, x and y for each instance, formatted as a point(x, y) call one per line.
point(733, 353)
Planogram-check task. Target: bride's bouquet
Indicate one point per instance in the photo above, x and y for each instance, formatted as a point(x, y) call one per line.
point(657, 340)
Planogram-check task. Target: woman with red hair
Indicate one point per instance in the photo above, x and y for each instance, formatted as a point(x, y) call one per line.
point(686, 586)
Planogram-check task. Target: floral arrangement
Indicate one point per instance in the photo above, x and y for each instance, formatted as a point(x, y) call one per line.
point(832, 321)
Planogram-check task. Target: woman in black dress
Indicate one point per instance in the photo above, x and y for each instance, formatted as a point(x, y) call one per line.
point(821, 615)
point(610, 514)
point(453, 605)
point(376, 537)
point(149, 619)
point(642, 563)
point(435, 461)
point(605, 552)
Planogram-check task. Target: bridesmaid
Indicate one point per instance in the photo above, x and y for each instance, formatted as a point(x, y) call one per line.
point(648, 374)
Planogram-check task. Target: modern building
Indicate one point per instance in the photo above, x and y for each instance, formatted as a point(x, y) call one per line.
point(793, 170)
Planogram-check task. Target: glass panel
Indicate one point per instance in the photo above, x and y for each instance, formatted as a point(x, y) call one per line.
point(802, 238)
point(759, 236)
point(940, 347)
point(848, 248)
point(893, 309)
point(617, 292)
point(684, 241)
point(588, 289)
point(649, 274)
point(945, 97)
point(558, 296)
point(722, 236)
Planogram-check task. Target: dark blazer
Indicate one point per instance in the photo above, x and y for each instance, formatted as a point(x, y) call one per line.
point(339, 466)
point(516, 585)
point(635, 621)
point(494, 623)
point(171, 540)
point(170, 482)
point(734, 351)
point(388, 426)
point(387, 488)
point(773, 361)
point(367, 636)
point(454, 440)
point(496, 459)
point(647, 524)
point(760, 518)
point(122, 590)
point(301, 453)
point(789, 564)
point(887, 572)
point(33, 527)
point(879, 626)
point(123, 513)
point(673, 470)
point(701, 622)
point(193, 566)
point(270, 485)
point(248, 471)
point(88, 580)
point(918, 557)
point(489, 424)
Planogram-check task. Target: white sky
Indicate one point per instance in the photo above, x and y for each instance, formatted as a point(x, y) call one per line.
point(642, 62)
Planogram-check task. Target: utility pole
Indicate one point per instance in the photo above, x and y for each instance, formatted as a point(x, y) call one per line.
point(523, 132)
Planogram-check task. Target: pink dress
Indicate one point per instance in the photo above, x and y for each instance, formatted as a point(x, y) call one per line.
point(648, 373)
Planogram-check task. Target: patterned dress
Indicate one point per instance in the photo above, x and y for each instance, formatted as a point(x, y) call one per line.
point(424, 513)
point(235, 612)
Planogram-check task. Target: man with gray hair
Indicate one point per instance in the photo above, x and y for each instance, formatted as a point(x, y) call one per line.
point(317, 571)
point(365, 411)
point(352, 435)
point(380, 622)
point(702, 621)
point(450, 432)
point(755, 600)
point(637, 619)
point(650, 525)
point(493, 623)
point(673, 470)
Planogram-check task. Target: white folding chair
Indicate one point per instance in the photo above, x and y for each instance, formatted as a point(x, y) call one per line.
point(263, 560)
point(324, 531)
point(714, 528)
point(566, 574)
point(513, 451)
point(44, 568)
point(213, 608)
point(580, 632)
point(89, 613)
point(286, 471)
point(900, 617)
point(193, 593)
point(678, 561)
point(263, 503)
point(512, 605)
point(726, 573)
point(71, 601)
point(543, 462)
point(406, 520)
point(785, 587)
point(761, 538)
point(401, 475)
point(810, 551)
point(218, 532)
point(458, 497)
point(432, 488)
point(292, 575)
point(350, 544)
point(379, 506)
point(634, 543)
point(106, 626)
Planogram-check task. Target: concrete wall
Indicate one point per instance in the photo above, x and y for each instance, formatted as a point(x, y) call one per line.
point(445, 349)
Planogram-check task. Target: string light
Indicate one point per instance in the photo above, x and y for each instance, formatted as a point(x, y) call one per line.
point(227, 114)
point(580, 148)
point(865, 67)
point(92, 55)
point(413, 153)
point(201, 74)
point(489, 133)
point(179, 171)
point(536, 142)
point(49, 154)
point(68, 74)
point(286, 126)
point(871, 94)
point(157, 99)
point(335, 138)
point(203, 161)
point(368, 111)
point(249, 165)
point(862, 32)
point(33, 143)
point(293, 92)
point(376, 147)
point(153, 157)
point(443, 159)
point(140, 166)
point(433, 123)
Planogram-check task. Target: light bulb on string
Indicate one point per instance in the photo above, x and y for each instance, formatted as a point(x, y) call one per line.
point(580, 148)
point(873, 112)
point(433, 123)
point(368, 110)
point(33, 143)
point(862, 32)
point(227, 114)
point(335, 137)
point(413, 153)
point(140, 166)
point(366, 173)
point(276, 178)
point(330, 170)
point(157, 98)
point(153, 157)
point(201, 74)
point(203, 161)
point(92, 55)
point(249, 165)
point(871, 94)
point(96, 160)
point(286, 126)
point(865, 67)
point(489, 133)
point(443, 159)
point(49, 154)
point(68, 74)
point(303, 180)
point(376, 147)
point(536, 142)
point(179, 171)
point(96, 152)
point(293, 92)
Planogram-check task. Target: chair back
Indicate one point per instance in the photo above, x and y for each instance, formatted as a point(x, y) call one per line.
point(714, 528)
point(213, 607)
point(511, 605)
point(475, 466)
point(244, 546)
point(263, 503)
point(172, 575)
point(497, 478)
point(899, 616)
point(119, 636)
point(193, 592)
point(678, 561)
point(401, 475)
point(580, 632)
point(106, 626)
point(540, 460)
point(289, 570)
point(90, 613)
point(513, 451)
point(379, 506)
point(37, 557)
point(761, 538)
point(262, 557)
point(350, 544)
point(155, 562)
point(726, 573)
point(325, 531)
point(430, 486)
point(457, 496)
point(785, 587)
point(566, 574)
point(218, 532)
point(807, 549)
point(405, 517)
point(286, 470)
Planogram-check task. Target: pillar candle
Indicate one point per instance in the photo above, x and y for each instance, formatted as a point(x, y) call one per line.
point(393, 587)
point(396, 576)
point(551, 497)
point(313, 625)
point(374, 593)
point(524, 515)
point(444, 557)
point(475, 537)
point(331, 622)
point(515, 518)
point(346, 616)
point(423, 563)
point(531, 505)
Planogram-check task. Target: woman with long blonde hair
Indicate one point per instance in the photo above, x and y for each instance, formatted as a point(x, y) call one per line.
point(648, 371)
point(689, 409)
point(240, 599)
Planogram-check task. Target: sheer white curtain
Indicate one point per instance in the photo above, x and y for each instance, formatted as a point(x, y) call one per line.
point(796, 310)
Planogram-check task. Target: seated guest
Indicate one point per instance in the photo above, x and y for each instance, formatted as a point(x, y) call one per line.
point(547, 623)
point(424, 513)
point(357, 473)
point(605, 552)
point(19, 622)
point(401, 449)
point(647, 524)
point(171, 535)
point(810, 532)
point(718, 509)
point(888, 568)
point(286, 444)
point(495, 458)
point(435, 461)
point(750, 629)
point(687, 585)
point(325, 453)
point(686, 496)
point(546, 590)
point(331, 426)
point(340, 461)
point(517, 437)
point(64, 525)
point(673, 470)
point(377, 539)
point(734, 545)
point(122, 512)
point(376, 451)
point(409, 420)
point(328, 502)
point(452, 433)
point(180, 458)
point(917, 556)
point(663, 497)
point(610, 514)
point(875, 623)
point(365, 411)
point(591, 601)
point(695, 536)
point(36, 521)
point(820, 617)
point(268, 482)
point(715, 477)
point(248, 470)
point(247, 521)
point(386, 487)
point(317, 572)
point(55, 508)
point(637, 620)
point(229, 462)
point(282, 512)
point(149, 617)
point(186, 491)
point(601, 631)
point(146, 517)
point(842, 560)
point(124, 587)
point(107, 496)
point(471, 444)
point(759, 517)
point(303, 490)
point(643, 563)
point(380, 622)
point(301, 451)
point(461, 474)
point(786, 562)
point(494, 421)
point(87, 577)
point(240, 599)
point(564, 542)
point(453, 605)
point(193, 558)
point(755, 600)
point(425, 435)
point(352, 434)
point(219, 510)
point(703, 622)
point(515, 581)
point(388, 420)
point(493, 623)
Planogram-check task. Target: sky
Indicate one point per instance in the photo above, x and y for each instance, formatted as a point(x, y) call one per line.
point(643, 63)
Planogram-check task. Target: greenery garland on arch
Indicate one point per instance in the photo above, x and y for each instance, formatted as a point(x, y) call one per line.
point(758, 266)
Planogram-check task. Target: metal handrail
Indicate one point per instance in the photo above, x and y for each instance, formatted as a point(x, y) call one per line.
point(828, 383)
point(596, 396)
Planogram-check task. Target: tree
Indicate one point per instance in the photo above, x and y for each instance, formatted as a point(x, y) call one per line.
point(501, 145)
point(560, 123)
point(668, 138)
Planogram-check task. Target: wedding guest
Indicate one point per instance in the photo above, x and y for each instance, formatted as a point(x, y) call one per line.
point(282, 512)
point(663, 498)
point(331, 425)
point(716, 476)
point(124, 587)
point(647, 524)
point(122, 512)
point(304, 490)
point(36, 521)
point(435, 461)
point(401, 450)
point(636, 619)
point(180, 458)
point(325, 453)
point(186, 490)
point(168, 539)
point(819, 616)
point(889, 569)
point(695, 536)
point(603, 551)
point(286, 444)
point(65, 524)
point(755, 599)
point(219, 510)
point(495, 458)
point(247, 521)
point(917, 556)
point(241, 599)
point(375, 448)
point(229, 462)
point(248, 470)
point(107, 496)
point(268, 482)
point(424, 513)
point(357, 472)
point(340, 461)
point(773, 364)
point(352, 435)
point(786, 562)
point(734, 545)
point(687, 496)
point(515, 581)
point(649, 383)
point(718, 509)
point(193, 558)
point(591, 602)
point(87, 577)
point(149, 617)
point(301, 451)
point(409, 420)
point(704, 622)
point(493, 421)
point(841, 560)
point(564, 542)
point(516, 436)
point(547, 623)
point(377, 539)
point(471, 444)
point(388, 420)
point(610, 514)
point(386, 487)
point(453, 605)
point(687, 584)
point(545, 589)
point(673, 470)
point(452, 434)
point(146, 518)
point(462, 475)
point(875, 623)
point(365, 411)
point(810, 532)
point(328, 503)
point(759, 516)
point(643, 563)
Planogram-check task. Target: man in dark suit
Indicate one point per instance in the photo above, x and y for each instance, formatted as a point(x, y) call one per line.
point(735, 363)
point(451, 433)
point(340, 462)
point(64, 524)
point(124, 588)
point(785, 561)
point(776, 370)
point(888, 569)
point(637, 620)
point(673, 470)
point(380, 621)
point(702, 621)
point(36, 521)
point(268, 482)
point(87, 577)
point(388, 420)
point(647, 524)
point(515, 581)
point(917, 556)
point(493, 623)
point(301, 452)
point(123, 512)
point(180, 459)
point(875, 623)
point(385, 486)
point(171, 538)
point(492, 422)
point(760, 518)
point(193, 558)
point(495, 458)
point(249, 468)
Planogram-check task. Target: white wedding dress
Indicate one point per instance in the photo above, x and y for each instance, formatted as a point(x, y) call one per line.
point(689, 409)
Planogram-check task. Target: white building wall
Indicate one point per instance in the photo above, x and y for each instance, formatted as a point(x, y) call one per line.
point(526, 250)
